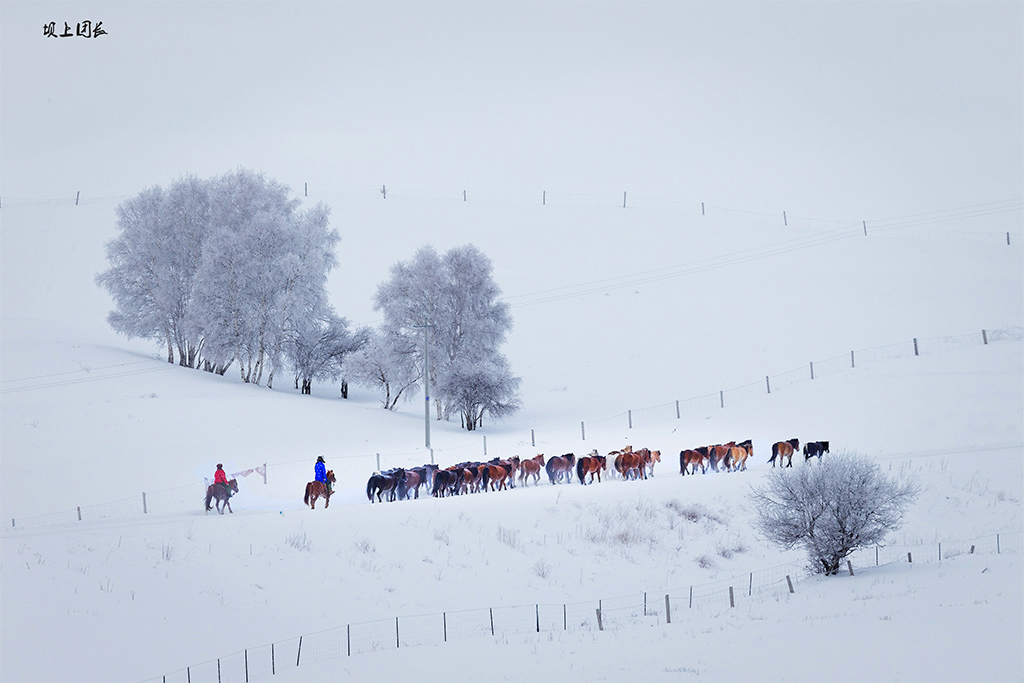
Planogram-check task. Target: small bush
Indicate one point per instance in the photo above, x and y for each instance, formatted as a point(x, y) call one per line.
point(831, 509)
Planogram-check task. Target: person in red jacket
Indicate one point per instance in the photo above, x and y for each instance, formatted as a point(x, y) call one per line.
point(221, 478)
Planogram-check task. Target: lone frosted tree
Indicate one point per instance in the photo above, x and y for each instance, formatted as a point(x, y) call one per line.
point(831, 508)
point(457, 295)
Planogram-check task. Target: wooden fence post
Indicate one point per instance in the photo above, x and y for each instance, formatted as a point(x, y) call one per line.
point(583, 431)
point(768, 384)
point(677, 409)
point(538, 617)
point(299, 653)
point(852, 363)
point(916, 353)
point(533, 441)
point(79, 513)
point(629, 413)
point(398, 641)
point(812, 369)
point(668, 610)
point(491, 610)
point(600, 624)
point(984, 337)
point(849, 566)
point(144, 511)
point(910, 558)
point(732, 602)
point(789, 582)
point(348, 638)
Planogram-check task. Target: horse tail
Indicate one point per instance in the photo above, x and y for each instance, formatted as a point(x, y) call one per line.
point(580, 466)
point(209, 496)
point(305, 498)
point(369, 489)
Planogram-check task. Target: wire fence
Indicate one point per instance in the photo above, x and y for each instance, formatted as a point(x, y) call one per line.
point(916, 226)
point(183, 498)
point(628, 611)
point(777, 383)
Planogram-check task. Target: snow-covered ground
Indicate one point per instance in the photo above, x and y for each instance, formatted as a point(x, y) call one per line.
point(619, 313)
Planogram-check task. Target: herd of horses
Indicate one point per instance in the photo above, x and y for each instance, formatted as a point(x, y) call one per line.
point(500, 474)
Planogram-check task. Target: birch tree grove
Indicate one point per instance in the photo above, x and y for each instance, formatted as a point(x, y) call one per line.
point(222, 271)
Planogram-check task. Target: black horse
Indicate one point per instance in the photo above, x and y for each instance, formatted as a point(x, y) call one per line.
point(383, 483)
point(815, 449)
point(444, 483)
point(222, 494)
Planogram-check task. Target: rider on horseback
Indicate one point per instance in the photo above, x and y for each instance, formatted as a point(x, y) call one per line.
point(320, 470)
point(221, 478)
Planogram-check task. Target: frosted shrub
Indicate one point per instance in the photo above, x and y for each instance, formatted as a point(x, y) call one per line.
point(831, 508)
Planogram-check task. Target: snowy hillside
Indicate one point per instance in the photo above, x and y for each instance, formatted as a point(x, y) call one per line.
point(686, 308)
point(711, 222)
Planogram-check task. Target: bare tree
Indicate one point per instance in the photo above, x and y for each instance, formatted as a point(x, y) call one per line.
point(831, 508)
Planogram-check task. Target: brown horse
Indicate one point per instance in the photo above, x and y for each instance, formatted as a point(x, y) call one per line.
point(738, 458)
point(719, 455)
point(693, 459)
point(412, 481)
point(650, 458)
point(630, 465)
point(559, 466)
point(222, 495)
point(591, 464)
point(530, 468)
point(317, 489)
point(497, 477)
point(784, 449)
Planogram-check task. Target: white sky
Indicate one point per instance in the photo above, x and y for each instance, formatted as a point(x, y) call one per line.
point(853, 110)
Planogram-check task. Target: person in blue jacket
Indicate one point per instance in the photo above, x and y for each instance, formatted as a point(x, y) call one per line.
point(320, 471)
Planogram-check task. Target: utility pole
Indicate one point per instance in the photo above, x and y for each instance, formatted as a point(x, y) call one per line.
point(426, 381)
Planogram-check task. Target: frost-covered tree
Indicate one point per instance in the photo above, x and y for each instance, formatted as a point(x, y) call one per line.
point(831, 508)
point(153, 265)
point(319, 350)
point(223, 270)
point(456, 294)
point(480, 385)
point(386, 363)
